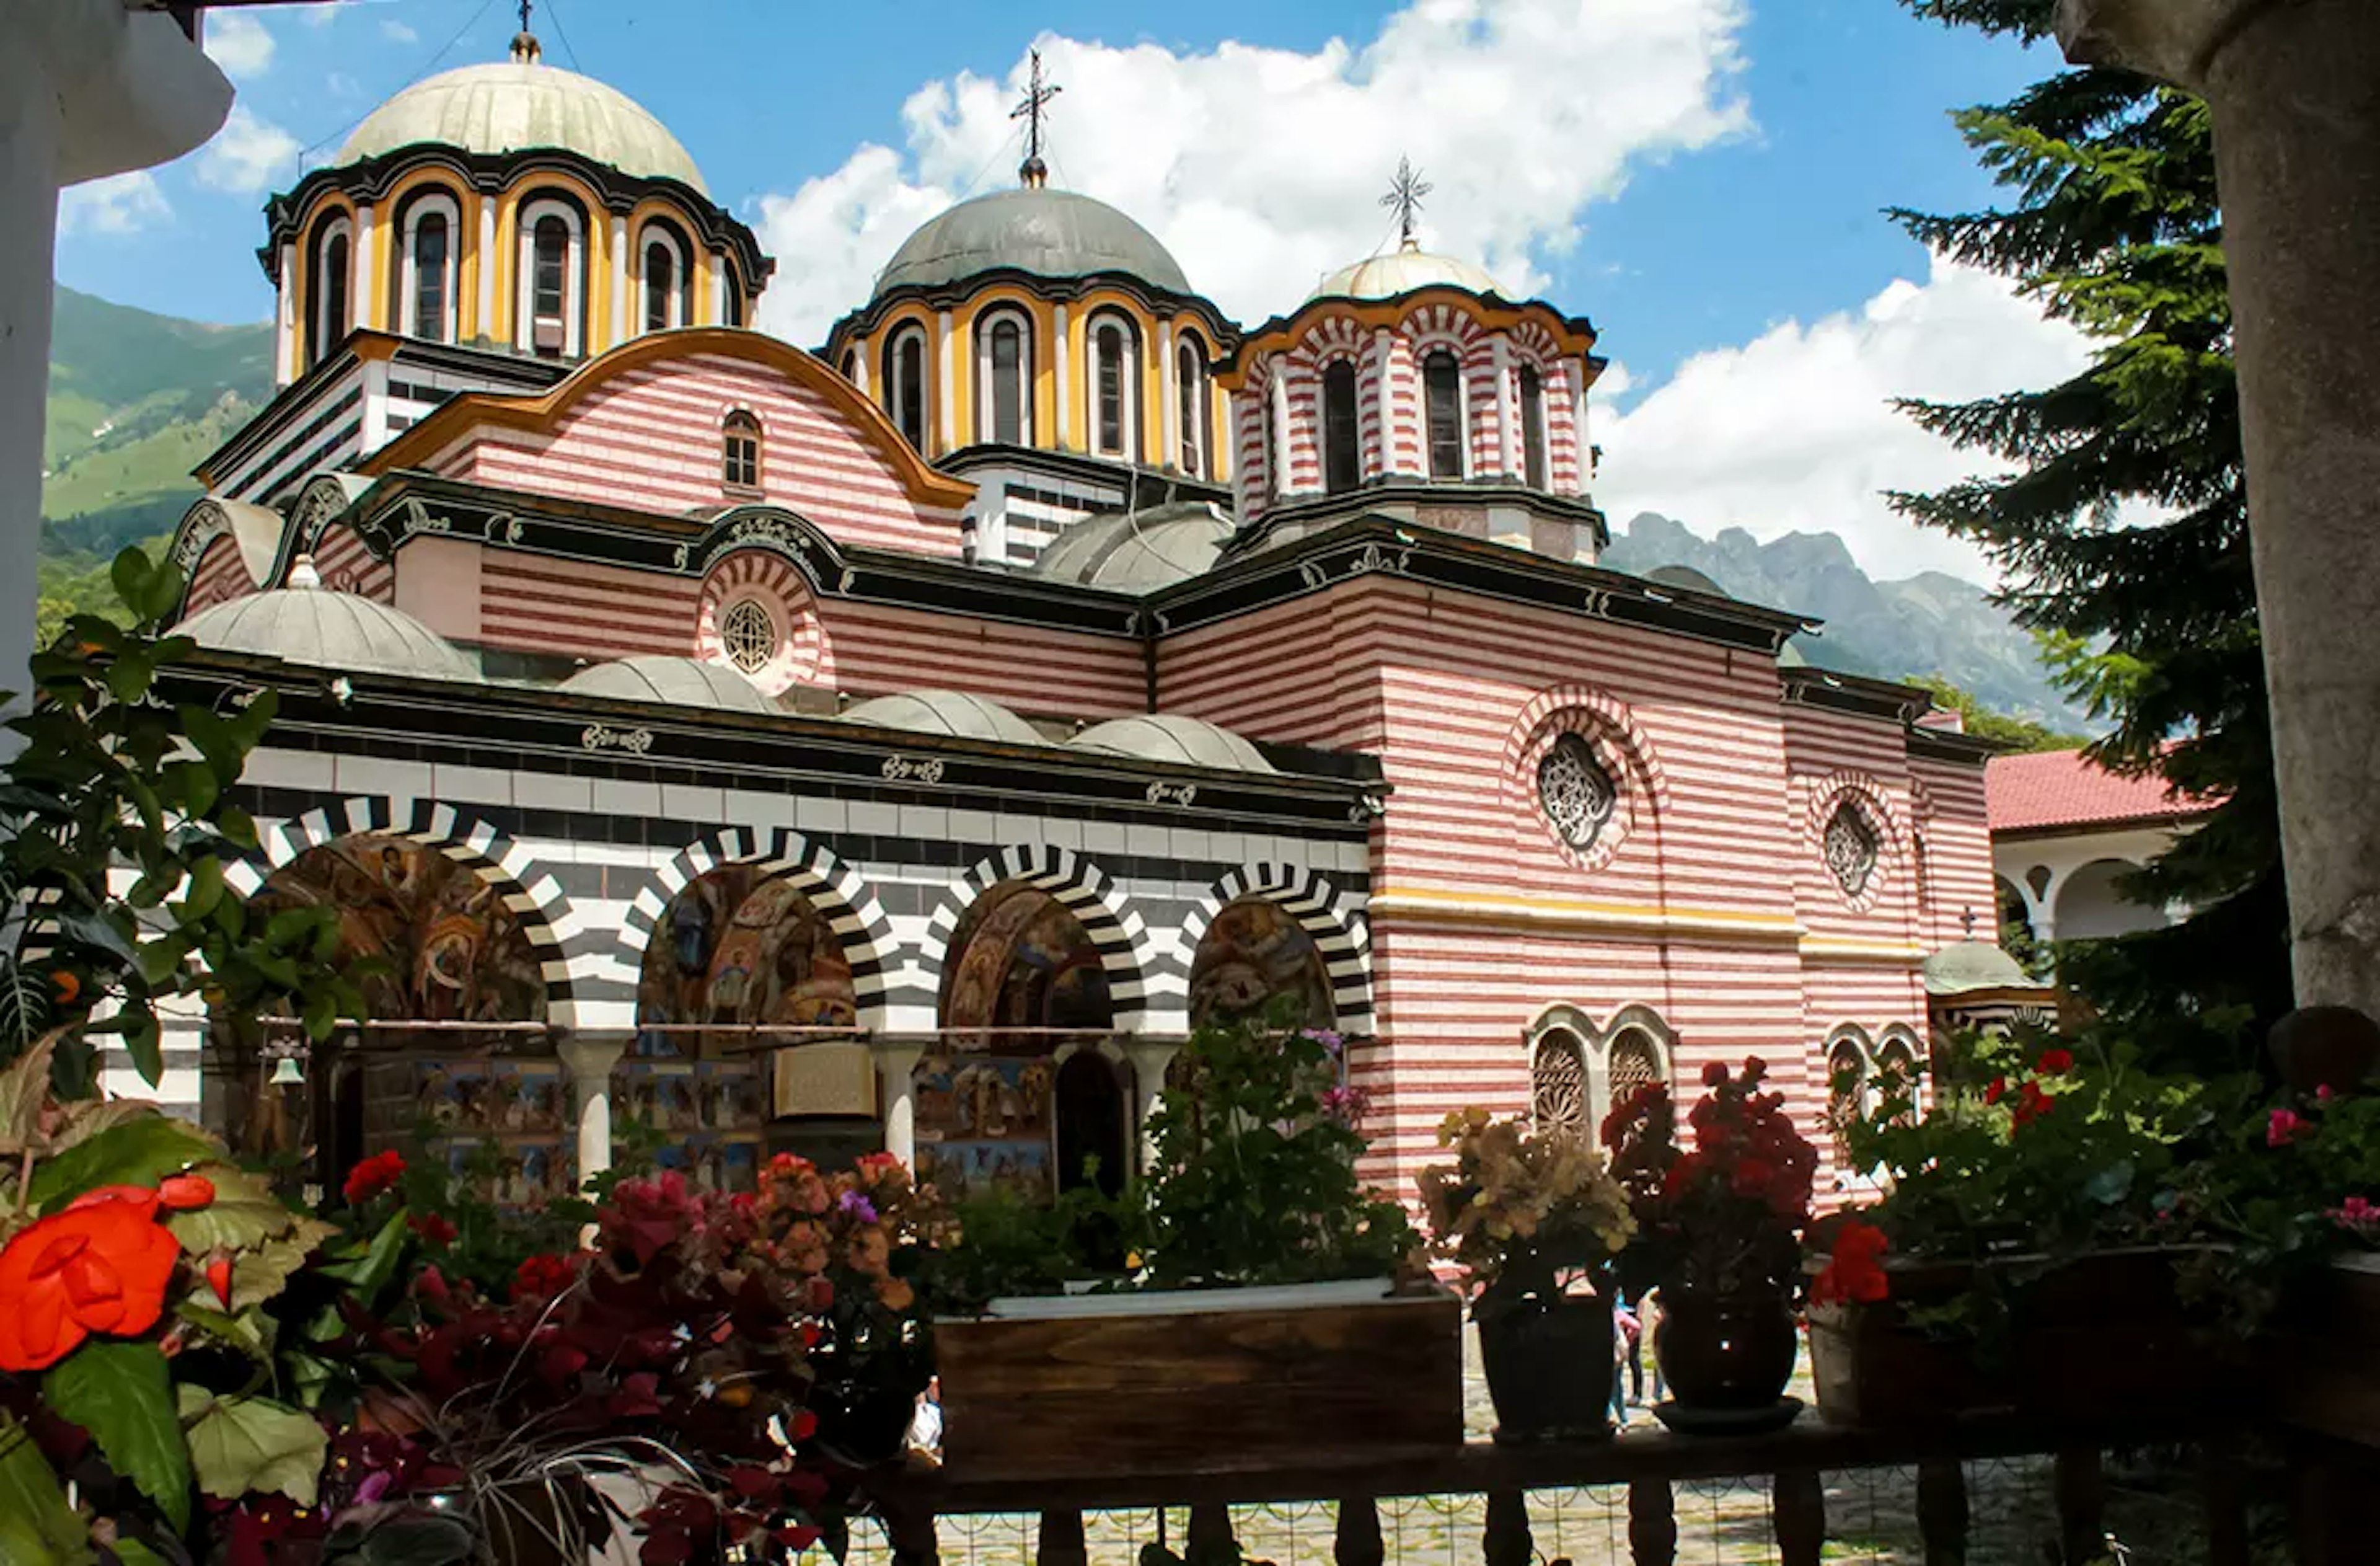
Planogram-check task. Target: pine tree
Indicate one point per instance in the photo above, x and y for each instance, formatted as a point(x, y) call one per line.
point(2121, 521)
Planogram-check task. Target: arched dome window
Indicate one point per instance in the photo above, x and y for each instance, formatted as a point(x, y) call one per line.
point(739, 466)
point(552, 273)
point(426, 282)
point(1533, 427)
point(328, 315)
point(1003, 371)
point(904, 384)
point(1442, 377)
point(1343, 455)
point(1190, 388)
point(851, 365)
point(669, 280)
point(1115, 387)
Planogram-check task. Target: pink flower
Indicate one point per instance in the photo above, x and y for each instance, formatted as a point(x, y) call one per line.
point(2284, 1125)
point(2323, 1092)
point(2358, 1214)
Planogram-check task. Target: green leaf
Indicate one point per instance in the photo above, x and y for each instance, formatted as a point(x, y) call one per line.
point(97, 929)
point(193, 785)
point(23, 1088)
point(129, 574)
point(37, 1526)
point(160, 594)
point(367, 1272)
point(206, 885)
point(130, 676)
point(237, 825)
point(132, 1552)
point(247, 1333)
point(285, 928)
point(86, 1118)
point(144, 1041)
point(242, 1445)
point(261, 1274)
point(321, 1015)
point(244, 1214)
point(138, 1152)
point(121, 1393)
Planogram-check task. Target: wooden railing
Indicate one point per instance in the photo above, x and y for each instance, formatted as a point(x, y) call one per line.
point(1795, 1467)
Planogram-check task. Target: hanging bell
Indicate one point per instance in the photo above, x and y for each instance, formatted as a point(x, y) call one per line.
point(286, 1073)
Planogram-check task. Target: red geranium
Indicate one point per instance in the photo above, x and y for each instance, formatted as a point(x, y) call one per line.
point(1854, 1273)
point(2032, 1103)
point(375, 1174)
point(100, 1266)
point(2056, 1062)
point(433, 1229)
point(542, 1277)
point(1997, 1091)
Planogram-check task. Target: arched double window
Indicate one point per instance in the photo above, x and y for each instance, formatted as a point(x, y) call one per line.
point(1004, 376)
point(426, 279)
point(1533, 428)
point(1558, 1094)
point(1342, 453)
point(668, 279)
point(1115, 387)
point(740, 451)
point(1190, 391)
point(328, 314)
point(1441, 380)
point(1580, 1071)
point(553, 280)
point(904, 384)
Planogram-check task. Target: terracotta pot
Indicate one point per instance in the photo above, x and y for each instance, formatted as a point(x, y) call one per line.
point(1726, 1351)
point(1549, 1365)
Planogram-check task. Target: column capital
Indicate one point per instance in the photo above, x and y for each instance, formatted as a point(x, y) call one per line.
point(591, 1055)
point(2175, 39)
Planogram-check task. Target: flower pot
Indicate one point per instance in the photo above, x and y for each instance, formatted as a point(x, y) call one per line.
point(1726, 1351)
point(1550, 1367)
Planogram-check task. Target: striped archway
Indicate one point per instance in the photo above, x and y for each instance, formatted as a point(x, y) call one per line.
point(1329, 915)
point(835, 888)
point(1115, 929)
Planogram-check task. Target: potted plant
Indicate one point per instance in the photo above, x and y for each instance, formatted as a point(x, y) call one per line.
point(1532, 1221)
point(1718, 1234)
point(2030, 1245)
point(1262, 1278)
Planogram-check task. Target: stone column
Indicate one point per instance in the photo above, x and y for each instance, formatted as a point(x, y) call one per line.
point(2295, 92)
point(897, 1098)
point(1149, 1058)
point(626, 319)
point(588, 1059)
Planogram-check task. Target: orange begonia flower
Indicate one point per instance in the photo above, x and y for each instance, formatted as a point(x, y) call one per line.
point(100, 1266)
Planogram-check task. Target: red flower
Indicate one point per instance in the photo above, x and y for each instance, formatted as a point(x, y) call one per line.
point(2056, 1062)
point(375, 1174)
point(180, 1193)
point(1714, 1074)
point(542, 1277)
point(100, 1266)
point(433, 1229)
point(1853, 1273)
point(218, 1270)
point(2283, 1128)
point(2032, 1103)
point(1997, 1091)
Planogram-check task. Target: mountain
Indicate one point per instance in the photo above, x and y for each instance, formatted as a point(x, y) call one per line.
point(1929, 623)
point(135, 400)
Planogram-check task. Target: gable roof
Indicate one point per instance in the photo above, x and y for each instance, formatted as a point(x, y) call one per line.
point(2058, 790)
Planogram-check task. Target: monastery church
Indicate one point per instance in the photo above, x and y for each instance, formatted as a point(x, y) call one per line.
point(906, 744)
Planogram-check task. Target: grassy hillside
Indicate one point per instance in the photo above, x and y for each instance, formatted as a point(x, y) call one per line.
point(136, 401)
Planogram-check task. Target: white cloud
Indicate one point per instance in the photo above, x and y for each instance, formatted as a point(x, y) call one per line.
point(247, 155)
point(1261, 169)
point(1795, 432)
point(238, 43)
point(118, 204)
point(397, 32)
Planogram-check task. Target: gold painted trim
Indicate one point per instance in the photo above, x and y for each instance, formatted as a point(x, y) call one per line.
point(1557, 913)
point(1885, 953)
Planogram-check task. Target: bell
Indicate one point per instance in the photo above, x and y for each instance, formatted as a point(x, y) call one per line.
point(286, 1073)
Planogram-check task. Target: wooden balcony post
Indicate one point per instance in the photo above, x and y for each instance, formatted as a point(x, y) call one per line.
point(2082, 1494)
point(1942, 1511)
point(1210, 1534)
point(1358, 1541)
point(1797, 1502)
point(1507, 1541)
point(1652, 1523)
point(1062, 1542)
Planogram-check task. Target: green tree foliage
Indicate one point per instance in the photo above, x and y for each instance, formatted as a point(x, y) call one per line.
point(2018, 734)
point(2119, 517)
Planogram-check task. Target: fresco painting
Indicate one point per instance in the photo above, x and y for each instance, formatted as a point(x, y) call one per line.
point(737, 947)
point(1024, 961)
point(1254, 953)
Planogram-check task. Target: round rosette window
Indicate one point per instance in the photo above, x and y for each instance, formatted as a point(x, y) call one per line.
point(757, 616)
point(1852, 844)
point(1575, 792)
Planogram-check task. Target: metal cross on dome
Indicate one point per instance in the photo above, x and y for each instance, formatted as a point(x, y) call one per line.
point(525, 5)
point(1404, 195)
point(1040, 89)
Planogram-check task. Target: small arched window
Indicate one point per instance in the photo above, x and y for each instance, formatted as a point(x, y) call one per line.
point(1004, 371)
point(666, 280)
point(1557, 1084)
point(1633, 1064)
point(1442, 377)
point(1190, 390)
point(904, 384)
point(328, 322)
point(740, 451)
point(1116, 388)
point(1533, 428)
point(427, 278)
point(552, 294)
point(1342, 457)
point(1846, 1095)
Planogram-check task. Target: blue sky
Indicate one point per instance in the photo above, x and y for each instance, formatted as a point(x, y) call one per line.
point(1703, 178)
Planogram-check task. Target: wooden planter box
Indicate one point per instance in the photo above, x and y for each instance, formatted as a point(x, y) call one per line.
point(1213, 1380)
point(2103, 1334)
point(2321, 1361)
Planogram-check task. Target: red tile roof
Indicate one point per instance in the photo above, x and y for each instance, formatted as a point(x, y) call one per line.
point(2053, 789)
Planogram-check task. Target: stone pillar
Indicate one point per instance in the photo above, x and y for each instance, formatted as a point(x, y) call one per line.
point(627, 320)
point(588, 1059)
point(896, 1070)
point(1149, 1058)
point(2295, 92)
point(28, 216)
point(486, 331)
point(1062, 361)
point(1168, 412)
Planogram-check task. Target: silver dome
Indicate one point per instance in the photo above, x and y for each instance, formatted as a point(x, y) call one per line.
point(1170, 736)
point(946, 713)
point(1045, 232)
point(679, 682)
point(329, 630)
point(1138, 552)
